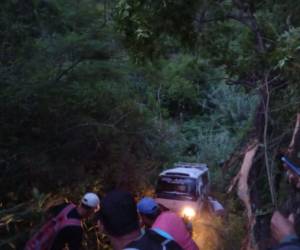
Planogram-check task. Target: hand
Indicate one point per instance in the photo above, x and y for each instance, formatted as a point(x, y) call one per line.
point(293, 178)
point(281, 226)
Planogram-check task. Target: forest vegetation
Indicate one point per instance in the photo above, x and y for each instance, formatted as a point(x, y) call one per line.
point(96, 93)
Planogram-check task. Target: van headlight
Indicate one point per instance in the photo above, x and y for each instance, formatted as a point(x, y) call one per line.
point(188, 213)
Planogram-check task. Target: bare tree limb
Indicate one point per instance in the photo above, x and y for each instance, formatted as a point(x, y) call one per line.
point(243, 190)
point(294, 144)
point(265, 137)
point(67, 70)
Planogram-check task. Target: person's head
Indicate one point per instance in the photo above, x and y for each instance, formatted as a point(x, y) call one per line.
point(148, 210)
point(118, 214)
point(89, 204)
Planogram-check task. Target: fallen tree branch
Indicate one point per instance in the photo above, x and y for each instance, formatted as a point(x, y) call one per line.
point(243, 190)
point(265, 137)
point(295, 142)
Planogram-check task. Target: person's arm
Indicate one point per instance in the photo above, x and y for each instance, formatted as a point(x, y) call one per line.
point(281, 227)
point(70, 236)
point(283, 232)
point(293, 178)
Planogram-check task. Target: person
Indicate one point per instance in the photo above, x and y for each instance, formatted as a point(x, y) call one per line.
point(282, 228)
point(165, 223)
point(118, 218)
point(293, 178)
point(64, 228)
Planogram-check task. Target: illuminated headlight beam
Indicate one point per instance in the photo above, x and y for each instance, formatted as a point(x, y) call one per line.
point(188, 212)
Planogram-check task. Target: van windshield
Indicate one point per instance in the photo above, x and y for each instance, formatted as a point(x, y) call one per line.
point(176, 187)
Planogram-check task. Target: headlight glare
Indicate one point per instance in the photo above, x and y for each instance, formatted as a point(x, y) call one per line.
point(188, 212)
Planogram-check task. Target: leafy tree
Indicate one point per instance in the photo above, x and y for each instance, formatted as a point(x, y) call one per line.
point(254, 41)
point(70, 102)
point(76, 114)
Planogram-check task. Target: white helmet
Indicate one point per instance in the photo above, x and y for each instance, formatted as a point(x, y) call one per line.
point(91, 200)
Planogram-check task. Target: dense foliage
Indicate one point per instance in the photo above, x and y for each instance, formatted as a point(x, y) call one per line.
point(96, 93)
point(257, 45)
point(76, 114)
point(70, 101)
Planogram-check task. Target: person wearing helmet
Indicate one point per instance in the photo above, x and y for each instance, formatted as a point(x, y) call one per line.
point(165, 223)
point(64, 228)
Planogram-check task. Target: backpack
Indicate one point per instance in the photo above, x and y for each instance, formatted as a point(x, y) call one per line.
point(153, 241)
point(44, 238)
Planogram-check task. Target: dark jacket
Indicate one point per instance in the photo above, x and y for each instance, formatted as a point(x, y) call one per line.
point(153, 241)
point(288, 245)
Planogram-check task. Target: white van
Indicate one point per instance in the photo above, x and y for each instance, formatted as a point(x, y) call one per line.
point(183, 188)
